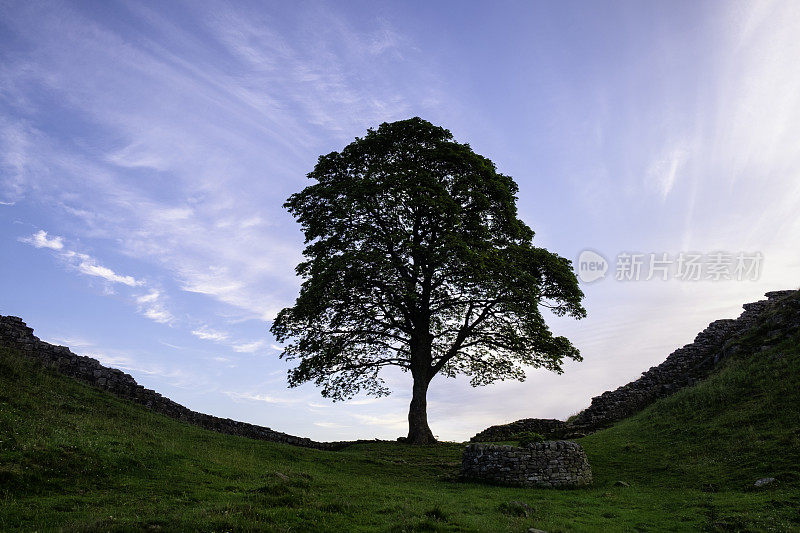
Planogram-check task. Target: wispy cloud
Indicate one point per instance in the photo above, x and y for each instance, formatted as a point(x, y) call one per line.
point(249, 347)
point(330, 425)
point(175, 375)
point(150, 304)
point(208, 334)
point(84, 263)
point(394, 421)
point(255, 397)
point(663, 172)
point(266, 120)
point(72, 342)
point(89, 266)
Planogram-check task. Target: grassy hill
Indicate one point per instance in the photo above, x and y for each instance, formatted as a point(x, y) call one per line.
point(77, 459)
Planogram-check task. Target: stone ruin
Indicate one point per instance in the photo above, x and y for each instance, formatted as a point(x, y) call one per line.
point(550, 464)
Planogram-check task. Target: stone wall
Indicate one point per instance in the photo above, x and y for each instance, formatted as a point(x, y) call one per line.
point(553, 464)
point(15, 334)
point(682, 368)
point(547, 427)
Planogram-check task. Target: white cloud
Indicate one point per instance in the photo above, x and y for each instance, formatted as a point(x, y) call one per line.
point(151, 305)
point(330, 425)
point(122, 362)
point(72, 342)
point(40, 240)
point(254, 397)
point(162, 316)
point(173, 346)
point(149, 298)
point(206, 333)
point(391, 421)
point(175, 376)
point(89, 266)
point(82, 262)
point(249, 347)
point(14, 168)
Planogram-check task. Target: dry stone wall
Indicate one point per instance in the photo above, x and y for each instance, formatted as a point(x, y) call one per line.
point(550, 464)
point(14, 333)
point(682, 368)
point(547, 427)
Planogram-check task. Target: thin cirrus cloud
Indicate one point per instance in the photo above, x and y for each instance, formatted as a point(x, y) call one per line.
point(249, 347)
point(208, 334)
point(150, 304)
point(663, 172)
point(244, 131)
point(256, 397)
point(84, 263)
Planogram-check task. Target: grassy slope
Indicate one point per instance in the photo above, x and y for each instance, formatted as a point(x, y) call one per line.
point(74, 458)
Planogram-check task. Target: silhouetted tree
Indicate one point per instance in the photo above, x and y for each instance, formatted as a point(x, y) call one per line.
point(415, 258)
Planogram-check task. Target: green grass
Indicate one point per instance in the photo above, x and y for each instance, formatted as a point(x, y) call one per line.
point(73, 458)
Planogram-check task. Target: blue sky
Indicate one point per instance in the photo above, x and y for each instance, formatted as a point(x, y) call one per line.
point(146, 149)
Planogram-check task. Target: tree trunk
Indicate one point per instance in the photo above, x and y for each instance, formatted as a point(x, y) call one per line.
point(418, 430)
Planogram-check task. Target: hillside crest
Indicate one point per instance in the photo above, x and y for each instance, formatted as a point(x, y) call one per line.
point(683, 368)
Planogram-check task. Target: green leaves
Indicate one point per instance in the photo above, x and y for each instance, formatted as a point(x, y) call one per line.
point(415, 257)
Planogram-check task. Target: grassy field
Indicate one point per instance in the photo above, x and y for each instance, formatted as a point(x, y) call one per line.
point(73, 458)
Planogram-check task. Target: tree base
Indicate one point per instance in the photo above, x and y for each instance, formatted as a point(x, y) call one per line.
point(421, 437)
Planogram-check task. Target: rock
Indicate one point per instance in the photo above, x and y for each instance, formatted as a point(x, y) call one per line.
point(764, 481)
point(534, 530)
point(282, 476)
point(621, 484)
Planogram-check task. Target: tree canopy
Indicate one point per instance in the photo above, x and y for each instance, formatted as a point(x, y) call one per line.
point(415, 257)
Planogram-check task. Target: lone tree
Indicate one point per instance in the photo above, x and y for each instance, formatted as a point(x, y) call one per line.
point(415, 258)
